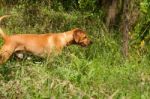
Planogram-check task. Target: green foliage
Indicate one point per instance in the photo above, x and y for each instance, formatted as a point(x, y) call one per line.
point(87, 5)
point(144, 6)
point(142, 28)
point(98, 71)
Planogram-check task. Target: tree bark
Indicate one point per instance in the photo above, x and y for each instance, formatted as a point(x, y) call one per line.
point(111, 14)
point(125, 27)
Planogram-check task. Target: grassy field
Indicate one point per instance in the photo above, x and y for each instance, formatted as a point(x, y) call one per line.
point(96, 72)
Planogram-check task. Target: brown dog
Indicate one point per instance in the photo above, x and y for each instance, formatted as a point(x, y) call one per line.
point(40, 44)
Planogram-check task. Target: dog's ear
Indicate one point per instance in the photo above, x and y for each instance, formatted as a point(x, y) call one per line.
point(76, 34)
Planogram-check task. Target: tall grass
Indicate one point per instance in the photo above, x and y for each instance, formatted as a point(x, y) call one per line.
point(98, 71)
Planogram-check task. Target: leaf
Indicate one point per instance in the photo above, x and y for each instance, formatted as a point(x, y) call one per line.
point(142, 44)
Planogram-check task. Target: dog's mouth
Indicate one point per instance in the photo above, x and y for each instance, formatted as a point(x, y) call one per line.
point(83, 45)
point(87, 44)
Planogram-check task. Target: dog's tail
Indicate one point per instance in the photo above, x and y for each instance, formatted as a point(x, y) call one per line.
point(1, 31)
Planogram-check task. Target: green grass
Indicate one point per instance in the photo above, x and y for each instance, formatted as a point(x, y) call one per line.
point(73, 75)
point(98, 71)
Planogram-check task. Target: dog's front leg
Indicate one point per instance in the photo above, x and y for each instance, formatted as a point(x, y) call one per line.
point(5, 52)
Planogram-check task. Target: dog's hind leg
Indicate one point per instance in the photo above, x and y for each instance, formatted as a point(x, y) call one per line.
point(5, 52)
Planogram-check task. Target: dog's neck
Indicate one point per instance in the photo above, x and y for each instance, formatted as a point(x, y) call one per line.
point(68, 36)
point(65, 36)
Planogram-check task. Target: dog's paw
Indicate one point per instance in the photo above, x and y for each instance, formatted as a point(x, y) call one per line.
point(19, 55)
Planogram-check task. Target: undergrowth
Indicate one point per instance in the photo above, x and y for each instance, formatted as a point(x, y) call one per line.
point(97, 71)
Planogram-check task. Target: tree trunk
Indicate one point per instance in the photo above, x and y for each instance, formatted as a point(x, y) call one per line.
point(111, 14)
point(125, 27)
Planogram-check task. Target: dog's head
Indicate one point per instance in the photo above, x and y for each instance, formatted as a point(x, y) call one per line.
point(81, 38)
